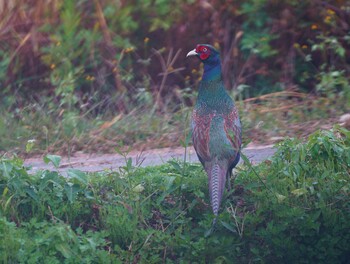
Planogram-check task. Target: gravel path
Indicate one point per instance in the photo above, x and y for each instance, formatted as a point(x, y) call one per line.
point(95, 162)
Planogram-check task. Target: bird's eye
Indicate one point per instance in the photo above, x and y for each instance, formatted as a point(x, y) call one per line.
point(205, 49)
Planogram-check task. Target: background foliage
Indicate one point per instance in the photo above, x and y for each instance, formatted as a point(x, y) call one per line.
point(81, 63)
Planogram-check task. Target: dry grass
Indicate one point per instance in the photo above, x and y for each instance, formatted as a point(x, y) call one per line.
point(127, 84)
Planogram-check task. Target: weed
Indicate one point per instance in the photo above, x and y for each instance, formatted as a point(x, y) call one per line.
point(287, 209)
point(83, 76)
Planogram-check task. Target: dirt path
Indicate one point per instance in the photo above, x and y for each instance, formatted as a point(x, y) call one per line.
point(96, 162)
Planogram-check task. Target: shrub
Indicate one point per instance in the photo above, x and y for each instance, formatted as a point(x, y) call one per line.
point(293, 208)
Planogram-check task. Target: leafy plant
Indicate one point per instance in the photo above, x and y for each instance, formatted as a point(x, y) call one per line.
point(287, 209)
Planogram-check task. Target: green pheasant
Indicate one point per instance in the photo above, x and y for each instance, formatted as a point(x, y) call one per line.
point(216, 127)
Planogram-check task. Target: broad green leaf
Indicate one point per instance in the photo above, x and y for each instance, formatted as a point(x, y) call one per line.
point(280, 197)
point(30, 145)
point(55, 159)
point(72, 191)
point(228, 227)
point(244, 158)
point(4, 193)
point(65, 250)
point(299, 192)
point(6, 167)
point(77, 174)
point(176, 165)
point(170, 182)
point(139, 188)
point(32, 193)
point(129, 163)
point(8, 202)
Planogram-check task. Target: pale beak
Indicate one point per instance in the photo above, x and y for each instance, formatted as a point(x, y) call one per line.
point(192, 53)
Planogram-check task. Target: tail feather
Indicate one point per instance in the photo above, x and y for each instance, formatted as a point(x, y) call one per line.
point(217, 180)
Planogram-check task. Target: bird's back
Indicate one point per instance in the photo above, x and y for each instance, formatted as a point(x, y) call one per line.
point(216, 126)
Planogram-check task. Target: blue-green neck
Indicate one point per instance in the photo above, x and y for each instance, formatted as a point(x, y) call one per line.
point(212, 94)
point(212, 72)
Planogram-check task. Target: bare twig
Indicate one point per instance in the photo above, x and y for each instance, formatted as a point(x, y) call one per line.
point(167, 68)
point(277, 94)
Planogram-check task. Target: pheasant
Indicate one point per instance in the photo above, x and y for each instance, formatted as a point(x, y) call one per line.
point(216, 127)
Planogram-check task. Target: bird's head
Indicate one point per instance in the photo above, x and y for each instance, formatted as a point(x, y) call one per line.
point(206, 53)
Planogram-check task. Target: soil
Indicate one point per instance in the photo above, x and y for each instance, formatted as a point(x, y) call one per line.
point(96, 162)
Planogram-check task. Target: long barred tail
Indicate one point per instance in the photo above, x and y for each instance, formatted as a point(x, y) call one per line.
point(217, 179)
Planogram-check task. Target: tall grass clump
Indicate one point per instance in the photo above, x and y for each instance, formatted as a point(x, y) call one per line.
point(304, 201)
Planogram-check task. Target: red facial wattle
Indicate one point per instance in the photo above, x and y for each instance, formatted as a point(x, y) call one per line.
point(203, 52)
point(204, 56)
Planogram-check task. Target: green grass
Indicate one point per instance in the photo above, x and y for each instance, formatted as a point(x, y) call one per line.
point(67, 131)
point(293, 208)
point(77, 76)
